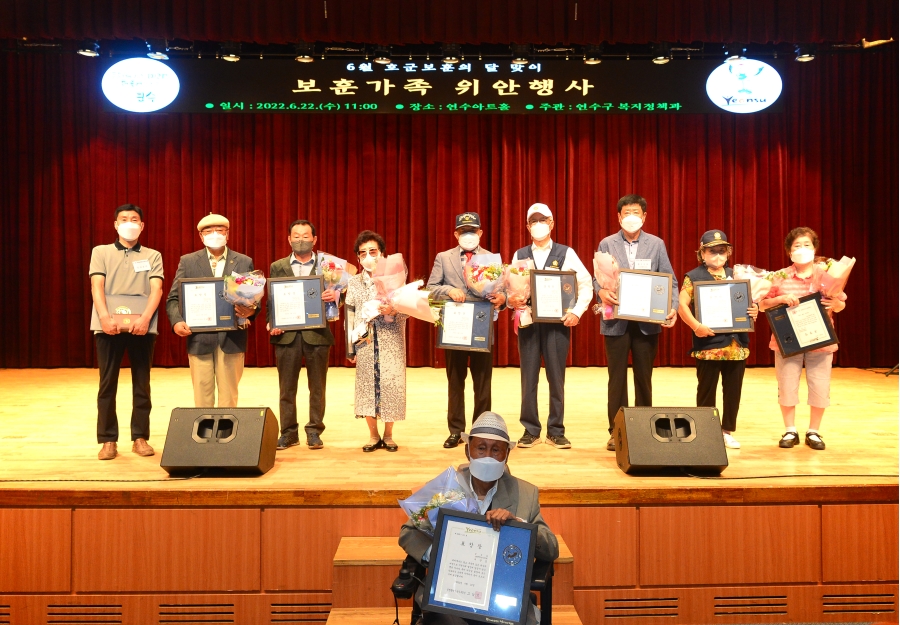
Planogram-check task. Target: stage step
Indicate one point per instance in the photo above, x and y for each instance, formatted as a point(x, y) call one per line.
point(364, 567)
point(562, 615)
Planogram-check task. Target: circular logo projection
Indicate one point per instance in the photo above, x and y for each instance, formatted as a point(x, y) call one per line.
point(744, 86)
point(140, 85)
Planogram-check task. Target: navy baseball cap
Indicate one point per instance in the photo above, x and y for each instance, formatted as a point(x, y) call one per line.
point(468, 219)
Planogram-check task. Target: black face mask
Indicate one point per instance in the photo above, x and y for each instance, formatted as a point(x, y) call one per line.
point(301, 247)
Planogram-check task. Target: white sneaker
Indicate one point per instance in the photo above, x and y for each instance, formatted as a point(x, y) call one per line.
point(730, 441)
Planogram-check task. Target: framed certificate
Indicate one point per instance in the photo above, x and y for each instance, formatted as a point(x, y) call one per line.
point(478, 573)
point(553, 295)
point(467, 325)
point(643, 296)
point(295, 303)
point(721, 305)
point(349, 322)
point(203, 307)
point(801, 328)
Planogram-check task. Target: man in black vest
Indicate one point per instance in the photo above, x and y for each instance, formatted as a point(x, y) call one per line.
point(547, 340)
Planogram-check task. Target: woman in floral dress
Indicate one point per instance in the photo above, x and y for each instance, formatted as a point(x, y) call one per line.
point(723, 353)
point(381, 358)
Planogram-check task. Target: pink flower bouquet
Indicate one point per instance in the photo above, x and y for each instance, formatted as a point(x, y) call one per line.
point(389, 275)
point(336, 277)
point(835, 274)
point(761, 281)
point(606, 272)
point(518, 283)
point(409, 300)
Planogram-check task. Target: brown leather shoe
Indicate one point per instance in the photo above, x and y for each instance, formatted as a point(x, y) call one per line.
point(142, 448)
point(108, 451)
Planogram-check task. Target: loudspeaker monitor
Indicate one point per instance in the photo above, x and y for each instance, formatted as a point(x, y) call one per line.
point(225, 440)
point(655, 439)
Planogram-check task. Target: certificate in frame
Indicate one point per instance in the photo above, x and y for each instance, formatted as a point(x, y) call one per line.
point(721, 305)
point(295, 303)
point(802, 328)
point(467, 325)
point(643, 296)
point(349, 322)
point(203, 307)
point(553, 295)
point(477, 573)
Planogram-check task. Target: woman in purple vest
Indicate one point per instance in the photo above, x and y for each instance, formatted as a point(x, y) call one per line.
point(723, 353)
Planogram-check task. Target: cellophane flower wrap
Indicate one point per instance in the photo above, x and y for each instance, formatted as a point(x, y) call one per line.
point(444, 491)
point(606, 272)
point(389, 275)
point(244, 289)
point(518, 283)
point(484, 274)
point(834, 275)
point(412, 301)
point(336, 278)
point(761, 281)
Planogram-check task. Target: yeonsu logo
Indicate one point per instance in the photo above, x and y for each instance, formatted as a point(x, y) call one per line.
point(743, 86)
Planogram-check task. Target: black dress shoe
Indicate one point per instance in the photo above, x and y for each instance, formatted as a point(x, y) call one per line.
point(611, 444)
point(288, 440)
point(369, 447)
point(789, 440)
point(392, 446)
point(452, 441)
point(814, 441)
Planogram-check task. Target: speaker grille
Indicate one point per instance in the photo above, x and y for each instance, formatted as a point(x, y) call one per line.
point(196, 613)
point(300, 612)
point(859, 604)
point(758, 606)
point(86, 613)
point(648, 607)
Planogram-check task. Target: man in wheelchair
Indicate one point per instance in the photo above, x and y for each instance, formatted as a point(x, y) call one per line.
point(501, 497)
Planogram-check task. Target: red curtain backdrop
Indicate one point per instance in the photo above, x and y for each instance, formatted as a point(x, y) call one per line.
point(460, 21)
point(829, 161)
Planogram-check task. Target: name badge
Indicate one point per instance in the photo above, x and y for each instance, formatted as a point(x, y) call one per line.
point(642, 264)
point(141, 265)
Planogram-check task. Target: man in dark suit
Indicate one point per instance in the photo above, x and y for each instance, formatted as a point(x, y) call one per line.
point(216, 358)
point(633, 249)
point(293, 346)
point(448, 281)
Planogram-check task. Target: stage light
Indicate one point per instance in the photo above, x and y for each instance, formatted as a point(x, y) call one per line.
point(592, 55)
point(520, 53)
point(735, 52)
point(662, 53)
point(382, 55)
point(157, 49)
point(231, 52)
point(805, 52)
point(451, 52)
point(90, 48)
point(304, 52)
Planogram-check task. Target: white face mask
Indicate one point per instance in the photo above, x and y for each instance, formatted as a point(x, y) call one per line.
point(369, 263)
point(486, 469)
point(129, 230)
point(469, 241)
point(539, 231)
point(214, 240)
point(632, 223)
point(803, 255)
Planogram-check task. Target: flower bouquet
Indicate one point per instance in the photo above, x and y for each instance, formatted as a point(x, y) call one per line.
point(833, 277)
point(336, 276)
point(518, 283)
point(409, 300)
point(244, 290)
point(444, 491)
point(606, 272)
point(389, 275)
point(761, 281)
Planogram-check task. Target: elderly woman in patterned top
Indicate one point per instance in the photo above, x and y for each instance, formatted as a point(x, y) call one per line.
point(381, 358)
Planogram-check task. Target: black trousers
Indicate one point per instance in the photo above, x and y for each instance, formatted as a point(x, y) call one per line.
point(550, 341)
point(288, 362)
point(732, 372)
point(459, 362)
point(111, 349)
point(643, 350)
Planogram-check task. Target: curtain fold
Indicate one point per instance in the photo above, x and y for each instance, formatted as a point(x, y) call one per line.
point(829, 161)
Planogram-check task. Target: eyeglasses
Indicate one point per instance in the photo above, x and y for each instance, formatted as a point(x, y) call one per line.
point(542, 220)
point(218, 229)
point(372, 251)
point(718, 251)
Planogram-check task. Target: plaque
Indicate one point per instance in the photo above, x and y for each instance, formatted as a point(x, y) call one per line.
point(467, 325)
point(125, 311)
point(553, 295)
point(643, 296)
point(295, 303)
point(478, 573)
point(721, 305)
point(802, 328)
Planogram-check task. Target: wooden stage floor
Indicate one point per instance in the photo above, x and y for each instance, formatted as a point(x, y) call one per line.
point(48, 448)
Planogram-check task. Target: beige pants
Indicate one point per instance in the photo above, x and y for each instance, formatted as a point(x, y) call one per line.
point(219, 369)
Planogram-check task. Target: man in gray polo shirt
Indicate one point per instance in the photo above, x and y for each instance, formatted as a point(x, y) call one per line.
point(125, 268)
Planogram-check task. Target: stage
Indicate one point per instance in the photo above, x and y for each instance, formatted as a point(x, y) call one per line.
point(775, 524)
